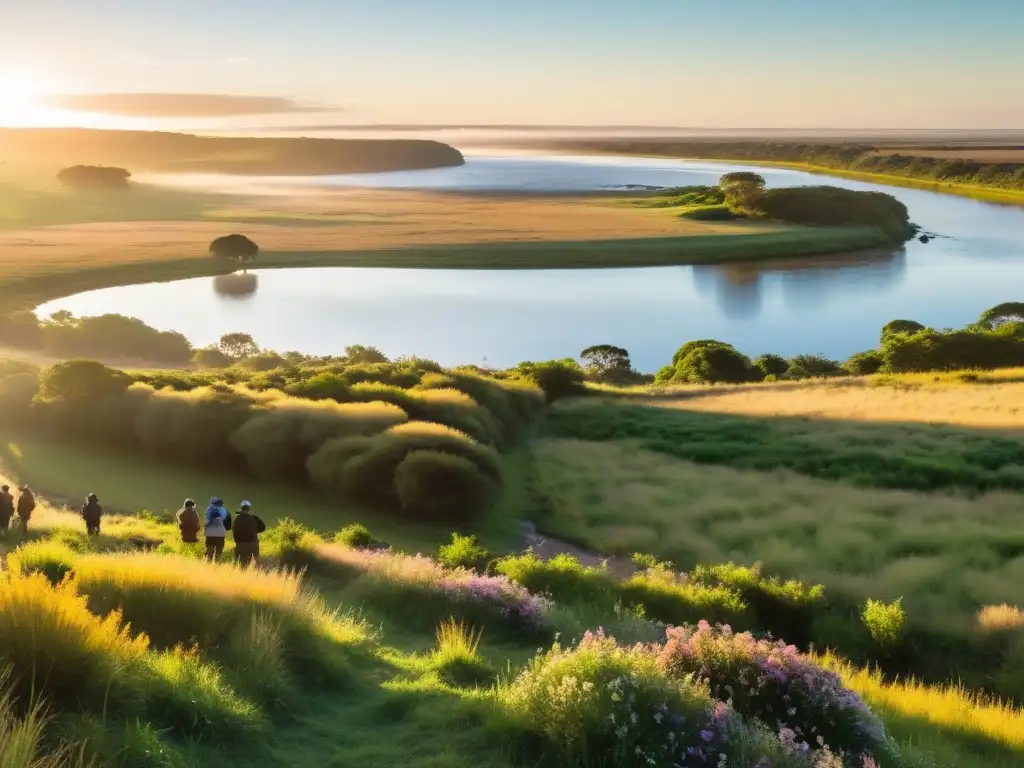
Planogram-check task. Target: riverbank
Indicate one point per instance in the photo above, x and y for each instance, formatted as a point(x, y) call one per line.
point(374, 228)
point(666, 150)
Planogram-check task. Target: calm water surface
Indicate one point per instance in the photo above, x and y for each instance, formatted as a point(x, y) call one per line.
point(831, 305)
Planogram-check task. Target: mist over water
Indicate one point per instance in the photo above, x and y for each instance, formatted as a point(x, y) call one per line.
point(830, 305)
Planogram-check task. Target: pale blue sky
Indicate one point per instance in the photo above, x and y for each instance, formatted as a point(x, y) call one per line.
point(735, 63)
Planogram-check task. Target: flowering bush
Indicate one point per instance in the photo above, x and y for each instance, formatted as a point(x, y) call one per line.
point(417, 583)
point(600, 703)
point(773, 682)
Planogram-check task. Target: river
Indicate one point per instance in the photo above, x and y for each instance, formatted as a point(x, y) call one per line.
point(830, 305)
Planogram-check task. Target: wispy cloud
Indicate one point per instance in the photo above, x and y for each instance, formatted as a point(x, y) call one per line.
point(237, 60)
point(135, 60)
point(182, 104)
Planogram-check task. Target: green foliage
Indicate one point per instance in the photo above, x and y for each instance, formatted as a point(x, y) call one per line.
point(711, 362)
point(900, 326)
point(864, 363)
point(771, 365)
point(885, 621)
point(238, 345)
point(437, 486)
point(463, 552)
point(355, 535)
point(82, 380)
point(457, 657)
point(813, 366)
point(710, 213)
point(211, 357)
point(1007, 312)
point(562, 577)
point(557, 378)
point(834, 206)
point(608, 364)
point(675, 599)
point(742, 189)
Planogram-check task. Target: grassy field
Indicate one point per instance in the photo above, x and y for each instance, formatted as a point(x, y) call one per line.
point(55, 242)
point(65, 472)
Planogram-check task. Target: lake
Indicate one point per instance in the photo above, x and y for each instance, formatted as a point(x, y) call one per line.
point(829, 305)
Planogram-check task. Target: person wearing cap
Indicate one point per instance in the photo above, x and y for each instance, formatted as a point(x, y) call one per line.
point(6, 509)
point(188, 522)
point(26, 506)
point(218, 523)
point(92, 512)
point(246, 530)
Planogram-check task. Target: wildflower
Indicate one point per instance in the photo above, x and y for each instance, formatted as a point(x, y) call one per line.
point(658, 717)
point(707, 735)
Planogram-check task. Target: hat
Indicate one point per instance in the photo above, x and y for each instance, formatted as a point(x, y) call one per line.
point(189, 503)
point(216, 501)
point(246, 504)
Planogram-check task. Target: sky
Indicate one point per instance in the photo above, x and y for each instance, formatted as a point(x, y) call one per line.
point(727, 64)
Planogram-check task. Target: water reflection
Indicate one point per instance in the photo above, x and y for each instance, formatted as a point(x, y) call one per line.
point(739, 288)
point(237, 285)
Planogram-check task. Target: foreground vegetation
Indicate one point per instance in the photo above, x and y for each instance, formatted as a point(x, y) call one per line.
point(176, 686)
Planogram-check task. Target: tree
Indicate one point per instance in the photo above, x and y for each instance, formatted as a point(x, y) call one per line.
point(94, 177)
point(238, 345)
point(712, 364)
point(357, 354)
point(865, 363)
point(900, 326)
point(813, 366)
point(771, 365)
point(234, 248)
point(1007, 312)
point(607, 363)
point(742, 188)
point(82, 380)
point(211, 357)
point(558, 378)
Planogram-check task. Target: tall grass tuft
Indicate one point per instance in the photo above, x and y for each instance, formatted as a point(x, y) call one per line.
point(23, 733)
point(457, 657)
point(1001, 618)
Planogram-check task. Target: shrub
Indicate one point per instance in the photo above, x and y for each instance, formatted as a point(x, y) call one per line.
point(364, 470)
point(885, 621)
point(562, 578)
point(598, 703)
point(864, 363)
point(463, 552)
point(54, 559)
point(813, 366)
point(235, 247)
point(423, 591)
point(662, 595)
point(557, 378)
point(999, 618)
point(783, 608)
point(713, 363)
point(81, 381)
point(431, 485)
point(710, 213)
point(277, 443)
point(771, 365)
point(16, 394)
point(834, 206)
point(355, 535)
point(773, 682)
point(900, 326)
point(293, 543)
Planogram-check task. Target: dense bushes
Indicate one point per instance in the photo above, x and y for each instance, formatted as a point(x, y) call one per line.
point(441, 465)
point(834, 206)
point(708, 362)
point(113, 337)
point(557, 378)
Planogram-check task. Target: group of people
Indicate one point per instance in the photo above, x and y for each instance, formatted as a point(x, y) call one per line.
point(245, 528)
point(215, 524)
point(24, 507)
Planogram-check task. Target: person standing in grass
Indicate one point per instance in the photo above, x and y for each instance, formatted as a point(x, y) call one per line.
point(92, 512)
point(6, 509)
point(26, 505)
point(218, 523)
point(246, 529)
point(188, 522)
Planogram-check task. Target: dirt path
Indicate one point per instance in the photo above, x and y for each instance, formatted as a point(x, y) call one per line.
point(548, 547)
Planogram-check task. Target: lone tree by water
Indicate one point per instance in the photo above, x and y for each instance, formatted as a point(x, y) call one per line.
point(234, 247)
point(94, 177)
point(742, 188)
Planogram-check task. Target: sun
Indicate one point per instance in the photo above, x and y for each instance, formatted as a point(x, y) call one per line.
point(22, 99)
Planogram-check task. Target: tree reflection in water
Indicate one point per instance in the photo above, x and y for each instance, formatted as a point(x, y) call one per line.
point(237, 285)
point(805, 282)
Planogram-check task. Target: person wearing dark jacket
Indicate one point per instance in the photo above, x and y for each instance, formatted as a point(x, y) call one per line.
point(246, 528)
point(26, 505)
point(189, 522)
point(92, 512)
point(6, 509)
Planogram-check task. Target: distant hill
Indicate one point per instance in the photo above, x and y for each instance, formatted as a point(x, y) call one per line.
point(160, 151)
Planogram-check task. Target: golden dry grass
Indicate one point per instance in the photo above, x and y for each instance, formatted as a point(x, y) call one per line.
point(946, 556)
point(1001, 618)
point(998, 403)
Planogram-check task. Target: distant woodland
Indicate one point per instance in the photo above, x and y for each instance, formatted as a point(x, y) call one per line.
point(170, 152)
